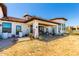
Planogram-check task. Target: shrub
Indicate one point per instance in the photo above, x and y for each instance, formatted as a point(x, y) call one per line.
point(31, 36)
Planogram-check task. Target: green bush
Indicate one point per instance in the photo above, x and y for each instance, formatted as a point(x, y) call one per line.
point(41, 38)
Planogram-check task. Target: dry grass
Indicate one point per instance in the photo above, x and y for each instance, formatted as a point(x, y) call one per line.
point(66, 46)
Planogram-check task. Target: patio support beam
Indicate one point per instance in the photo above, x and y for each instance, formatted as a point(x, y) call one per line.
point(61, 29)
point(35, 29)
point(49, 29)
point(57, 30)
point(76, 28)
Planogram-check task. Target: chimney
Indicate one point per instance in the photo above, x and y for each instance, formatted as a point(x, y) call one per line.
point(27, 17)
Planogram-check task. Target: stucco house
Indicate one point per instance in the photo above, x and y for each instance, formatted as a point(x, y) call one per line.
point(10, 26)
point(73, 29)
point(31, 24)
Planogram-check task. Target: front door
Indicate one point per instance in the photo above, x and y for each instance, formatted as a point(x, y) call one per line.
point(53, 30)
point(31, 29)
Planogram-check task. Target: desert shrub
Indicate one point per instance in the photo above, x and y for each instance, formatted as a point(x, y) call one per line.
point(41, 38)
point(31, 36)
point(75, 32)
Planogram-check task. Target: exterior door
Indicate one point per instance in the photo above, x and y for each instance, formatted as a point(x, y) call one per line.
point(18, 29)
point(53, 30)
point(31, 29)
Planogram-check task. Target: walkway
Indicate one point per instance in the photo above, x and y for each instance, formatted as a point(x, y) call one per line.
point(5, 44)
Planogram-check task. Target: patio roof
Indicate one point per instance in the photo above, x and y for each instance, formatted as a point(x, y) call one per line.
point(59, 18)
point(41, 19)
point(41, 22)
point(14, 19)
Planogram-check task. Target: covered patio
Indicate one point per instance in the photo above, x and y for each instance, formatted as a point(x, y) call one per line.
point(41, 27)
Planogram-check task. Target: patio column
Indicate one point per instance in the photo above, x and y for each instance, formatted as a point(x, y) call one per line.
point(76, 28)
point(61, 29)
point(57, 30)
point(50, 29)
point(35, 29)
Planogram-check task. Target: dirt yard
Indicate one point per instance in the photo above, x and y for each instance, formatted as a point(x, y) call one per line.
point(66, 46)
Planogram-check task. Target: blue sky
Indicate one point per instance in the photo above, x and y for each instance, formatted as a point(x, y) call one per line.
point(46, 10)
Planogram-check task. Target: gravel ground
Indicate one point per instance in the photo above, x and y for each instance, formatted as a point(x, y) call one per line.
point(66, 46)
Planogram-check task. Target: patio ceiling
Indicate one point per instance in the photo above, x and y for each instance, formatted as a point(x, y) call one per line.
point(45, 25)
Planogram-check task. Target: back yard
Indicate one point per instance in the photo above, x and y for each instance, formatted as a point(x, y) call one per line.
point(66, 46)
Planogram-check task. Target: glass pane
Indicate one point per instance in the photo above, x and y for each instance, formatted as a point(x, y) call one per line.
point(6, 27)
point(18, 28)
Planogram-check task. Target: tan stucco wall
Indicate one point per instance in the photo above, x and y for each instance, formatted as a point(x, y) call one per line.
point(24, 27)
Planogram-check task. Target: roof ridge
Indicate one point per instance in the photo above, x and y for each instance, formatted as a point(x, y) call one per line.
point(59, 18)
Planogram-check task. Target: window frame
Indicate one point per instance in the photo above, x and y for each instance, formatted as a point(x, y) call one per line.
point(20, 28)
point(5, 28)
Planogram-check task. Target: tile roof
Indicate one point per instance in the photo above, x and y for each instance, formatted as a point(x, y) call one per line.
point(38, 18)
point(59, 19)
point(13, 19)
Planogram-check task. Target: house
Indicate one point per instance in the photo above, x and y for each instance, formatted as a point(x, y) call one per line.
point(11, 26)
point(73, 29)
point(39, 25)
point(31, 24)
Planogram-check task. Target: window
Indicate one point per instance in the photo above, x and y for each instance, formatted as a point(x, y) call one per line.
point(77, 28)
point(18, 28)
point(63, 26)
point(59, 28)
point(73, 29)
point(6, 27)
